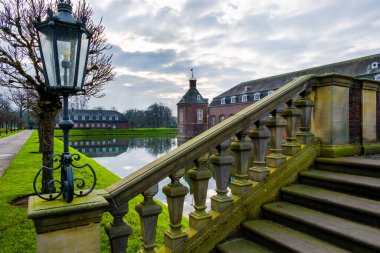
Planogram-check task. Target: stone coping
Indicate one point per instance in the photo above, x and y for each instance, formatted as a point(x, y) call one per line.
point(58, 214)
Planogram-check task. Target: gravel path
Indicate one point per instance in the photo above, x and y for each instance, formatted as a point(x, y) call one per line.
point(10, 146)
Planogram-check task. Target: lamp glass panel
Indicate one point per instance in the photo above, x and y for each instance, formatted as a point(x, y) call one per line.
point(82, 59)
point(47, 39)
point(67, 40)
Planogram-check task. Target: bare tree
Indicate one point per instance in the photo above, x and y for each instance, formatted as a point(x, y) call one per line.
point(21, 66)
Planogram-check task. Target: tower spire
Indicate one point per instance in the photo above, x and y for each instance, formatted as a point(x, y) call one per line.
point(193, 80)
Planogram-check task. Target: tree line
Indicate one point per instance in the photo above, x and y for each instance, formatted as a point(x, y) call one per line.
point(156, 116)
point(9, 119)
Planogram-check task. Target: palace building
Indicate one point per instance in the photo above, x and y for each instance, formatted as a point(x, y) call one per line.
point(242, 95)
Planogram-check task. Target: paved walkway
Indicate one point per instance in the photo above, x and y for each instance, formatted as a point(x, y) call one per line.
point(10, 146)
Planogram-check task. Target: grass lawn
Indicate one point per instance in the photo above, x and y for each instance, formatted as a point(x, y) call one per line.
point(129, 132)
point(17, 233)
point(3, 134)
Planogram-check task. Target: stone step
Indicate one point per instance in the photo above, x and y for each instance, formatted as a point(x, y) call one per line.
point(241, 245)
point(338, 231)
point(341, 204)
point(284, 239)
point(353, 165)
point(359, 185)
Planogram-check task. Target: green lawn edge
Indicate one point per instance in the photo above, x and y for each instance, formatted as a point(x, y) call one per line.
point(17, 233)
point(115, 132)
point(3, 134)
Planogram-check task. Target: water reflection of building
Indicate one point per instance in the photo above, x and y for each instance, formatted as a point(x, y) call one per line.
point(114, 147)
point(101, 148)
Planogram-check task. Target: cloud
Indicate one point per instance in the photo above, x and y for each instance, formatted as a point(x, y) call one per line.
point(155, 43)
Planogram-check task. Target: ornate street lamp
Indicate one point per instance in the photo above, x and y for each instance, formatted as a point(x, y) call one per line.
point(64, 44)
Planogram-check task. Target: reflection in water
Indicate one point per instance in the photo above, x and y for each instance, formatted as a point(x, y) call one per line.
point(124, 156)
point(114, 147)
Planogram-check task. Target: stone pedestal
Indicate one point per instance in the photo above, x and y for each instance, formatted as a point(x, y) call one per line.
point(67, 227)
point(331, 114)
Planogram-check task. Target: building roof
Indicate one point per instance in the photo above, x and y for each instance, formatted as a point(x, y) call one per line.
point(193, 96)
point(353, 67)
point(90, 113)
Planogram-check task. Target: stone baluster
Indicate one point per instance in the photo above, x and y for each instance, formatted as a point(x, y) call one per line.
point(305, 105)
point(259, 136)
point(175, 194)
point(241, 149)
point(149, 211)
point(291, 115)
point(276, 126)
point(200, 176)
point(221, 162)
point(118, 231)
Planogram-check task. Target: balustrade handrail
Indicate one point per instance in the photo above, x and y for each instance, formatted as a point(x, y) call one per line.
point(129, 187)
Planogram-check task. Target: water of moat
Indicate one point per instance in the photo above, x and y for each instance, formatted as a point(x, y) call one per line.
point(124, 156)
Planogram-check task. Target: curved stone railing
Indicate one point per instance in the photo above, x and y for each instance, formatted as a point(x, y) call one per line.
point(145, 181)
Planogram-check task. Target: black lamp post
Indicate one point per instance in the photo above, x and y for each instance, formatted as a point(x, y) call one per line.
point(64, 44)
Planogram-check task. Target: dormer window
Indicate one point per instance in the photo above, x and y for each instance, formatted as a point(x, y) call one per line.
point(256, 96)
point(233, 99)
point(198, 97)
point(375, 65)
point(244, 98)
point(223, 101)
point(377, 77)
point(270, 92)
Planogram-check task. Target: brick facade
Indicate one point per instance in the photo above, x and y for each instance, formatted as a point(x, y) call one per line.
point(355, 112)
point(191, 126)
point(220, 113)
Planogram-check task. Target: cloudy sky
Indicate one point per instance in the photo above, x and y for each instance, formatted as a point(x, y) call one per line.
point(157, 42)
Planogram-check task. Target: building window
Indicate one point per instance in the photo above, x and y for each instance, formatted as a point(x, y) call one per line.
point(233, 99)
point(93, 117)
point(104, 117)
point(244, 98)
point(212, 120)
point(377, 77)
point(87, 117)
point(200, 115)
point(181, 116)
point(223, 101)
point(79, 117)
point(117, 118)
point(81, 125)
point(180, 128)
point(221, 118)
point(270, 92)
point(256, 96)
point(198, 97)
point(375, 65)
point(87, 124)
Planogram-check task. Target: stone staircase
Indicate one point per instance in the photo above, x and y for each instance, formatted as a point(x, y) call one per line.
point(333, 208)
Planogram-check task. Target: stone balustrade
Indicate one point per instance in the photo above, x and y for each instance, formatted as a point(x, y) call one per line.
point(265, 136)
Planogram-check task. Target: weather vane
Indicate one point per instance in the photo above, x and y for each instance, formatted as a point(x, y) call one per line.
point(192, 73)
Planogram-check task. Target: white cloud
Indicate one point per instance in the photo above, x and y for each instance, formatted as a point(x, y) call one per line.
point(226, 41)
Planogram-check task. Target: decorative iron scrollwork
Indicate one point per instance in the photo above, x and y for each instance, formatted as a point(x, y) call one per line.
point(68, 184)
